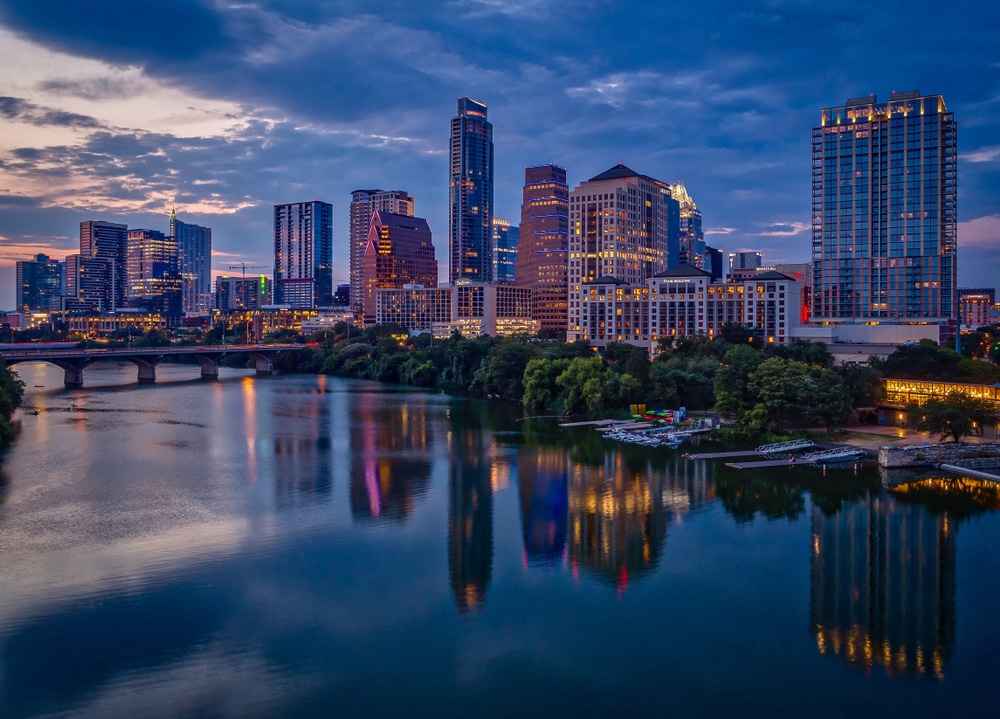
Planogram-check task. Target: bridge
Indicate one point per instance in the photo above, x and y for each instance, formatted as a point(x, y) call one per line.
point(74, 360)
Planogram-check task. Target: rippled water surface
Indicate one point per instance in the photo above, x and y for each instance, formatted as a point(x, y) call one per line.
point(308, 546)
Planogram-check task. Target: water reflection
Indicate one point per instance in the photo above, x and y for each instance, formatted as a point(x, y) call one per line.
point(883, 586)
point(543, 488)
point(389, 460)
point(617, 521)
point(470, 514)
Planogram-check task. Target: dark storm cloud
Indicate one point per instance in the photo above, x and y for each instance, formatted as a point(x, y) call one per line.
point(19, 110)
point(109, 88)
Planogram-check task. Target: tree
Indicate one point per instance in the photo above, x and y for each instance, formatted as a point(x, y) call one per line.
point(11, 393)
point(541, 390)
point(780, 391)
point(956, 415)
point(732, 396)
point(831, 401)
point(585, 385)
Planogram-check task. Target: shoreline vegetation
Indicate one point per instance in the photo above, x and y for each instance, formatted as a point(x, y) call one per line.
point(766, 391)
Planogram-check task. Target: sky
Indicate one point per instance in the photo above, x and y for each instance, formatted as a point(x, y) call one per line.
point(117, 110)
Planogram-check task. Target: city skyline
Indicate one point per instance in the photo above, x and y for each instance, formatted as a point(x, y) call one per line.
point(101, 125)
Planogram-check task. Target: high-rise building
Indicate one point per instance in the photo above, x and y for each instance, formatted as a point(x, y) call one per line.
point(714, 265)
point(623, 225)
point(504, 248)
point(153, 271)
point(91, 284)
point(194, 247)
point(108, 241)
point(38, 281)
point(543, 250)
point(242, 293)
point(745, 260)
point(303, 254)
point(884, 225)
point(692, 238)
point(400, 252)
point(470, 224)
point(363, 204)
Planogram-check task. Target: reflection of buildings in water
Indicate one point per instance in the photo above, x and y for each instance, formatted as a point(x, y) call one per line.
point(470, 519)
point(543, 487)
point(883, 586)
point(617, 520)
point(688, 486)
point(386, 487)
point(302, 469)
point(389, 468)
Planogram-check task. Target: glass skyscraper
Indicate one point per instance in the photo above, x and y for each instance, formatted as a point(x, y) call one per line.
point(303, 254)
point(884, 218)
point(470, 224)
point(38, 282)
point(194, 245)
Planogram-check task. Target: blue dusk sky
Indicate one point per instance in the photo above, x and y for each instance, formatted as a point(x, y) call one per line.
point(118, 110)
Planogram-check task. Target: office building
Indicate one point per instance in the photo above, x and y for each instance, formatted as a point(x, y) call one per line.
point(470, 222)
point(623, 226)
point(400, 252)
point(38, 282)
point(243, 293)
point(303, 254)
point(884, 193)
point(91, 284)
point(543, 249)
point(504, 250)
point(745, 260)
point(153, 271)
point(692, 237)
point(469, 308)
point(107, 241)
point(715, 263)
point(194, 248)
point(363, 204)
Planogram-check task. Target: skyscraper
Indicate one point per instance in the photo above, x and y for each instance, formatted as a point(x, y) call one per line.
point(303, 254)
point(692, 238)
point(108, 242)
point(470, 225)
point(363, 204)
point(400, 252)
point(623, 225)
point(884, 224)
point(38, 281)
point(153, 271)
point(544, 245)
point(504, 250)
point(194, 247)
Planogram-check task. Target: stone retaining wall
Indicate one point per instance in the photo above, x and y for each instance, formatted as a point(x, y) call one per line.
point(923, 455)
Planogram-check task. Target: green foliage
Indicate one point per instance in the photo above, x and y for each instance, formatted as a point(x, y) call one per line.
point(541, 390)
point(829, 400)
point(502, 374)
point(732, 393)
point(863, 383)
point(957, 415)
point(11, 394)
point(780, 390)
point(812, 353)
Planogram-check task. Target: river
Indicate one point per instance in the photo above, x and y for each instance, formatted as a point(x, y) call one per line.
point(310, 546)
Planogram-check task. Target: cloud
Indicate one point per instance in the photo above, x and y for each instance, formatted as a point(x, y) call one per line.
point(720, 230)
point(983, 154)
point(982, 232)
point(20, 110)
point(785, 229)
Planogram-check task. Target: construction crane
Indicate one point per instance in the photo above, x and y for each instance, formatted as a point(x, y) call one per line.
point(244, 267)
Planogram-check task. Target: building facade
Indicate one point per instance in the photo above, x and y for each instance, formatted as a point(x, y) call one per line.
point(745, 260)
point(884, 194)
point(243, 293)
point(91, 285)
point(303, 254)
point(108, 241)
point(38, 282)
point(470, 222)
point(692, 237)
point(686, 301)
point(469, 308)
point(623, 225)
point(506, 239)
point(153, 271)
point(363, 204)
point(194, 248)
point(543, 249)
point(400, 252)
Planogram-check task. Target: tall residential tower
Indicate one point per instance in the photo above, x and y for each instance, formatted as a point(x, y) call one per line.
point(363, 204)
point(544, 245)
point(303, 254)
point(470, 223)
point(884, 193)
point(194, 248)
